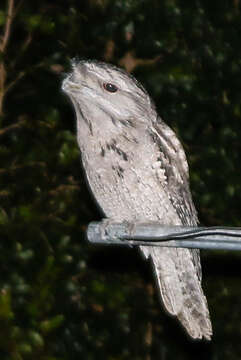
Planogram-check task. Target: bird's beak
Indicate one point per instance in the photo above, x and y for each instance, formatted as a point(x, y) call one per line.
point(69, 84)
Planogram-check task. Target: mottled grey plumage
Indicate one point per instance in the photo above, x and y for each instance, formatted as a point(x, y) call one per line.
point(137, 171)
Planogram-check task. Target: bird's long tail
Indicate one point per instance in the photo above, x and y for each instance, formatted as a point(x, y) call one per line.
point(180, 287)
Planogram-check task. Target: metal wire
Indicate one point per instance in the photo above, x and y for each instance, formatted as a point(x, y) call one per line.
point(154, 234)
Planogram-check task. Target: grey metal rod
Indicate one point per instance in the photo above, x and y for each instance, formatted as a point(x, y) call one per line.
point(154, 234)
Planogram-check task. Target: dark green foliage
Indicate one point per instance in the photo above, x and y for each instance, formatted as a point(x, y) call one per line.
point(59, 297)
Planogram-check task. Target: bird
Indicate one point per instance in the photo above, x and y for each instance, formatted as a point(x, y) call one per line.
point(137, 171)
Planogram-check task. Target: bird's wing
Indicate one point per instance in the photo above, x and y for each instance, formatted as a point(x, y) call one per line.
point(173, 161)
point(178, 271)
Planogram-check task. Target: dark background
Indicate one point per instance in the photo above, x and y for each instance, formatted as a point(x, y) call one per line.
point(61, 298)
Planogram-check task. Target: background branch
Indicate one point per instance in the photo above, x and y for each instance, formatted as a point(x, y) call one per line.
point(7, 28)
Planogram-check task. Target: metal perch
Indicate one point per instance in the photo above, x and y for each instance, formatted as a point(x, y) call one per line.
point(154, 234)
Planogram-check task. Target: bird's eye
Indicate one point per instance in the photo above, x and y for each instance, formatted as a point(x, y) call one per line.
point(110, 87)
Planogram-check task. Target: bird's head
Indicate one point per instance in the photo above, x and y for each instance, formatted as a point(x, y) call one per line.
point(105, 96)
